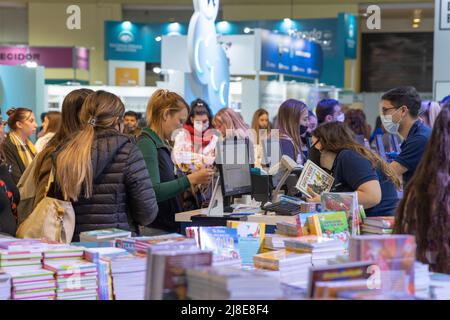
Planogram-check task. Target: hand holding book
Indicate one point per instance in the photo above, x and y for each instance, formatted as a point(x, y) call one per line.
point(312, 196)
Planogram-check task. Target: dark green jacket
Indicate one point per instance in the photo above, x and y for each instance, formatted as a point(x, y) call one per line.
point(167, 185)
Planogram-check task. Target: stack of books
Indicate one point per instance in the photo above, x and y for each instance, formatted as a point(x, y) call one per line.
point(422, 280)
point(276, 241)
point(143, 245)
point(224, 283)
point(291, 267)
point(321, 249)
point(104, 235)
point(95, 255)
point(166, 277)
point(62, 252)
point(128, 276)
point(288, 229)
point(32, 284)
point(378, 225)
point(20, 257)
point(440, 286)
point(5, 286)
point(75, 280)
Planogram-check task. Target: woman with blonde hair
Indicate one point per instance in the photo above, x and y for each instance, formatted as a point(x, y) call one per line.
point(166, 113)
point(102, 171)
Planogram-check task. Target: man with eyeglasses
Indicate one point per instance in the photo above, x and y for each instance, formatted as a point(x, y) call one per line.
point(399, 111)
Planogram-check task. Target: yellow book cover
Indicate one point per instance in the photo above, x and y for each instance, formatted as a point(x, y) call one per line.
point(249, 230)
point(314, 225)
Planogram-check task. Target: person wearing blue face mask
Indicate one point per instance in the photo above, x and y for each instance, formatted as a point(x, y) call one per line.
point(399, 111)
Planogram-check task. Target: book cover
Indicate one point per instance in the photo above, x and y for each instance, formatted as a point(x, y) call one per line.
point(334, 225)
point(168, 280)
point(222, 241)
point(314, 178)
point(314, 225)
point(380, 222)
point(104, 234)
point(344, 201)
point(340, 272)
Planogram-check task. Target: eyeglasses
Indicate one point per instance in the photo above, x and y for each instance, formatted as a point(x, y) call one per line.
point(385, 110)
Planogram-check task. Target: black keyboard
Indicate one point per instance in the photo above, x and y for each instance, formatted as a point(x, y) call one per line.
point(283, 208)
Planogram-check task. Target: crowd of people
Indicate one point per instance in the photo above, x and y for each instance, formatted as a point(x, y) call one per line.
point(119, 174)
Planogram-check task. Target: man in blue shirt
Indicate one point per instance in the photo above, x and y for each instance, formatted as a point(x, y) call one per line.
point(399, 110)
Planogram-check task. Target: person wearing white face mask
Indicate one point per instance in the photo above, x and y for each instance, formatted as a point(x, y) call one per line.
point(329, 110)
point(399, 111)
point(194, 145)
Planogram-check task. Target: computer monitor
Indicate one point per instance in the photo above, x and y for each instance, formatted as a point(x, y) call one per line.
point(233, 162)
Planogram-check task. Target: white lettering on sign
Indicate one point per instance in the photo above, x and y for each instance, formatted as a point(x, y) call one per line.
point(73, 22)
point(374, 18)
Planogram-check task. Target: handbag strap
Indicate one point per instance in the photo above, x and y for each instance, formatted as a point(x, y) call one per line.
point(51, 179)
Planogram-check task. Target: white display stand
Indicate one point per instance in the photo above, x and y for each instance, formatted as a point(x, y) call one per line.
point(215, 208)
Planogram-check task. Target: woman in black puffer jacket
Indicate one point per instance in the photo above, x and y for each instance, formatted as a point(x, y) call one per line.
point(102, 171)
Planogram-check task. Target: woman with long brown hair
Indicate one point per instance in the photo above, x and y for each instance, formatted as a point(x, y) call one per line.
point(18, 149)
point(424, 210)
point(102, 171)
point(260, 133)
point(166, 113)
point(355, 169)
point(52, 122)
point(293, 125)
point(355, 119)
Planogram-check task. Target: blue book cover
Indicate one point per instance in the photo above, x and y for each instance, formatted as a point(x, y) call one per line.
point(248, 247)
point(222, 241)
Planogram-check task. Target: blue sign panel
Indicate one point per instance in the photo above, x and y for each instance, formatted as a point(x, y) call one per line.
point(290, 55)
point(351, 33)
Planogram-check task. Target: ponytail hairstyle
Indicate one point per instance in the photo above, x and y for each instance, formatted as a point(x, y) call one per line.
point(17, 115)
point(100, 110)
point(161, 102)
point(336, 136)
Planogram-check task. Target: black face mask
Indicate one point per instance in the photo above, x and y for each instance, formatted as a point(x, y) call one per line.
point(303, 130)
point(314, 155)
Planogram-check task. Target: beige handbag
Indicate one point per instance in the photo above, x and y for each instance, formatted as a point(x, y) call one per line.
point(51, 219)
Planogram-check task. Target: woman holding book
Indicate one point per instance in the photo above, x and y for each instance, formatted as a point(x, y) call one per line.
point(424, 210)
point(166, 113)
point(355, 169)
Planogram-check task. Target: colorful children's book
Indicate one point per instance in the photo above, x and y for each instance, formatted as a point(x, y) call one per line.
point(314, 225)
point(333, 224)
point(222, 241)
point(314, 178)
point(340, 272)
point(394, 254)
point(251, 239)
point(344, 201)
